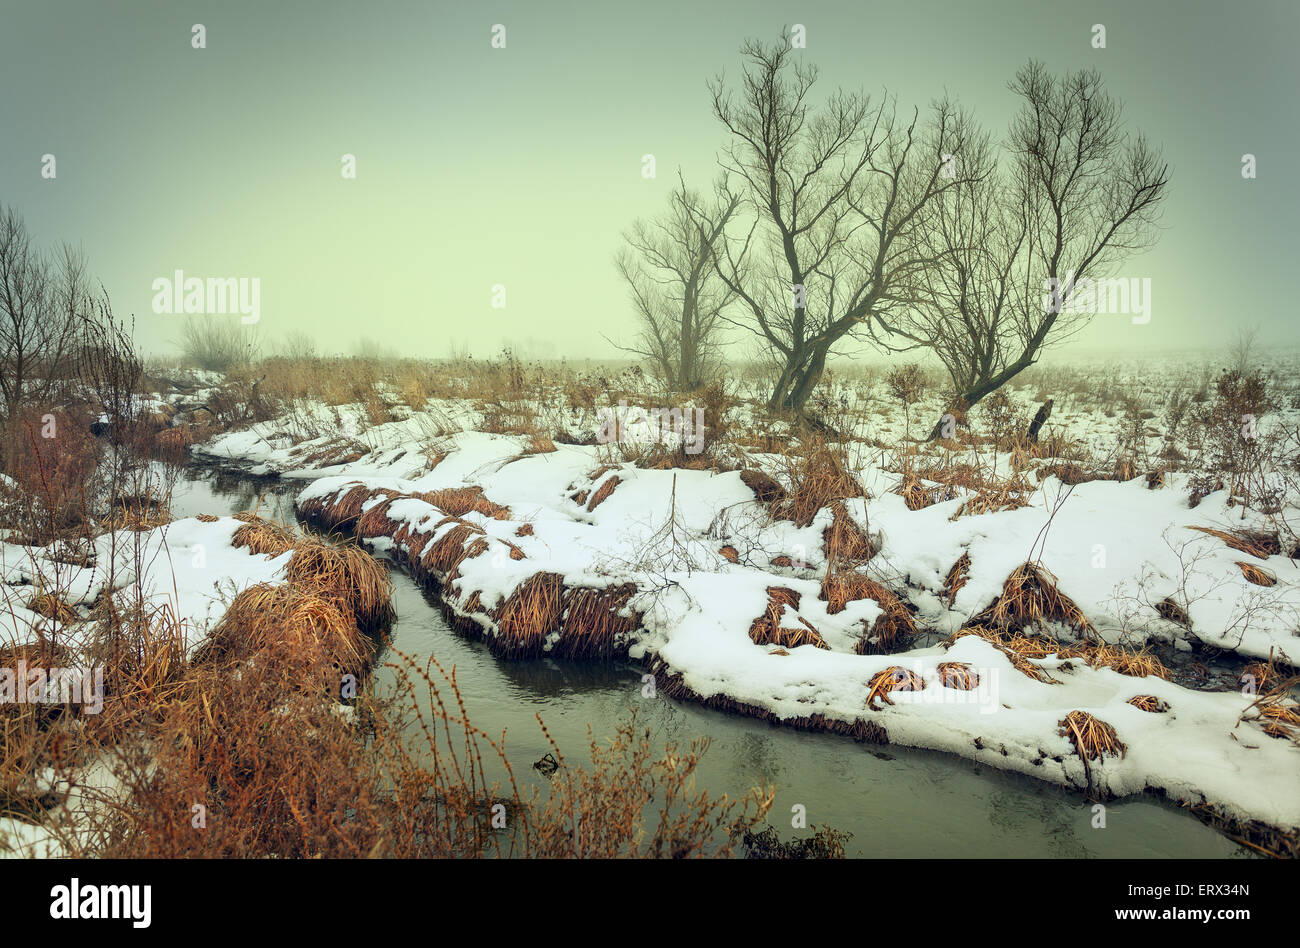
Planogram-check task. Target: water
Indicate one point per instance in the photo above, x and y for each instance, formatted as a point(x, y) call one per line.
point(897, 802)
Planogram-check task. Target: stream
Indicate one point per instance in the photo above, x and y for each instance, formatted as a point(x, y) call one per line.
point(895, 801)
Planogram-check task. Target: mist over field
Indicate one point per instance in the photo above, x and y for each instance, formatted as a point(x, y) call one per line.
point(520, 166)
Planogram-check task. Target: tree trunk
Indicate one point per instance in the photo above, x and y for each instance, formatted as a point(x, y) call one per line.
point(803, 370)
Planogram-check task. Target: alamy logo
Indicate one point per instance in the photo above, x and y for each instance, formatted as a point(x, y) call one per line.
point(669, 426)
point(24, 685)
point(213, 296)
point(102, 901)
point(1116, 296)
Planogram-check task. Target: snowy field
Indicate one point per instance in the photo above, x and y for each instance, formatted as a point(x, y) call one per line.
point(886, 612)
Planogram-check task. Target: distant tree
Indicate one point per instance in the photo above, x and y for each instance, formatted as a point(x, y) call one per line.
point(834, 199)
point(299, 345)
point(1013, 241)
point(218, 343)
point(42, 299)
point(668, 264)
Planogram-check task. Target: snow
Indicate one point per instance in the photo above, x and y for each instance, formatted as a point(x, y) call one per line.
point(1115, 548)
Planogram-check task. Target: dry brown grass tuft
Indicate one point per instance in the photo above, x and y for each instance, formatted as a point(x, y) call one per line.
point(1167, 608)
point(287, 625)
point(52, 607)
point(991, 500)
point(956, 578)
point(1136, 664)
point(1256, 575)
point(917, 496)
point(340, 510)
point(957, 675)
point(458, 501)
point(593, 627)
point(844, 540)
point(375, 522)
point(1030, 597)
point(1149, 703)
point(894, 628)
point(263, 537)
point(345, 575)
point(766, 490)
point(602, 493)
point(767, 628)
point(1018, 649)
point(529, 615)
point(891, 679)
point(1257, 543)
point(730, 554)
point(444, 556)
point(1092, 738)
point(818, 475)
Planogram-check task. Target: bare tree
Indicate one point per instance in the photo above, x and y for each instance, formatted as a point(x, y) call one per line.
point(40, 299)
point(668, 265)
point(835, 196)
point(1075, 197)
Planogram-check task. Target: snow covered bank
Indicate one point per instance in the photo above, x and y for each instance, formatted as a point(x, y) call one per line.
point(563, 553)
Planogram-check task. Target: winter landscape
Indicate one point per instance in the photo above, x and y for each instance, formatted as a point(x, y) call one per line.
point(907, 497)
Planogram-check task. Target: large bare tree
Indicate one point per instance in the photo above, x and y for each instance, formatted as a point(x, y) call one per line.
point(669, 268)
point(834, 197)
point(1071, 199)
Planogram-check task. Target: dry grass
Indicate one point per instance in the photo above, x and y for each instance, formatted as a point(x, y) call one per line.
point(1019, 649)
point(1258, 543)
point(818, 475)
point(957, 675)
point(767, 628)
point(891, 630)
point(1136, 664)
point(374, 522)
point(602, 493)
point(529, 614)
point(888, 680)
point(1167, 608)
point(1030, 597)
point(1092, 738)
point(345, 575)
point(263, 537)
point(593, 627)
point(288, 626)
point(1256, 575)
point(340, 510)
point(444, 556)
point(459, 501)
point(1149, 703)
point(766, 490)
point(51, 606)
point(844, 540)
point(956, 578)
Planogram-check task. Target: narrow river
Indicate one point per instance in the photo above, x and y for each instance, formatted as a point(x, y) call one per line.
point(897, 802)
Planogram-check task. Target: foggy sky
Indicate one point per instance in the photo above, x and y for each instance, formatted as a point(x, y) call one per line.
point(520, 166)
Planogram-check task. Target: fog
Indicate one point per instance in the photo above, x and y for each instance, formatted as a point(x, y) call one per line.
point(492, 182)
